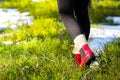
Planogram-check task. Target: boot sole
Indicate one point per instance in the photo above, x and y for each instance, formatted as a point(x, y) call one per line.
point(89, 60)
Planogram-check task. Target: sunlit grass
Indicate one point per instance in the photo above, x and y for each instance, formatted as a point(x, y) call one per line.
point(41, 28)
point(52, 59)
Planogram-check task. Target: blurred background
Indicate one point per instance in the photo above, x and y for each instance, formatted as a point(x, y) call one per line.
point(99, 9)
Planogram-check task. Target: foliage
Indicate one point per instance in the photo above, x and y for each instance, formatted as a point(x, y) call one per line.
point(41, 28)
point(48, 8)
point(22, 5)
point(103, 8)
point(45, 8)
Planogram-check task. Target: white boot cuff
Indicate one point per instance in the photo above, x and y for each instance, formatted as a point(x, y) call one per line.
point(79, 41)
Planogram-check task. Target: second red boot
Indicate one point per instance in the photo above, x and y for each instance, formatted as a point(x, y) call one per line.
point(77, 59)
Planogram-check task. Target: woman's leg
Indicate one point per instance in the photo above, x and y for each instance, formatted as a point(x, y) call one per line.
point(67, 16)
point(66, 11)
point(77, 30)
point(81, 12)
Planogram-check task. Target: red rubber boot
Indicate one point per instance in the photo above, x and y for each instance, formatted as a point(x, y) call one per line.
point(87, 56)
point(77, 59)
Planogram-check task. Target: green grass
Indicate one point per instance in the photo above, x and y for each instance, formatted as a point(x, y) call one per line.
point(41, 28)
point(42, 51)
point(51, 59)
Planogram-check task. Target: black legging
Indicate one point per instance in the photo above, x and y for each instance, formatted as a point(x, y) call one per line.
point(74, 14)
